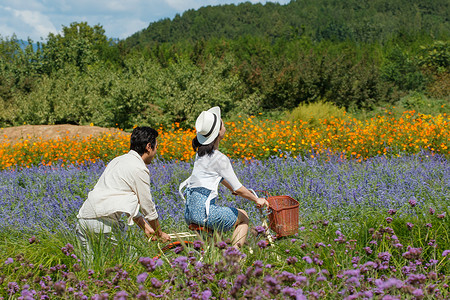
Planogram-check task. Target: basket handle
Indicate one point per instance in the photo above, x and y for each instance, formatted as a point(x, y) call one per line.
point(267, 195)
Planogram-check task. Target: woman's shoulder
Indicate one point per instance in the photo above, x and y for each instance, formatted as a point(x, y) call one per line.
point(219, 155)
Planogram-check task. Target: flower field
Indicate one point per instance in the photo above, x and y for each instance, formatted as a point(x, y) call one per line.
point(372, 229)
point(253, 138)
point(374, 216)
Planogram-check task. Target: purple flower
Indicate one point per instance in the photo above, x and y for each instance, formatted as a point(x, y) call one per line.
point(181, 262)
point(290, 292)
point(446, 252)
point(156, 283)
point(368, 250)
point(321, 278)
point(389, 220)
point(412, 202)
point(262, 244)
point(409, 225)
point(307, 259)
point(27, 294)
point(150, 264)
point(391, 282)
point(291, 260)
point(398, 245)
point(428, 225)
point(122, 295)
point(32, 239)
point(233, 254)
point(441, 216)
point(67, 249)
point(431, 210)
point(260, 229)
point(258, 263)
point(351, 272)
point(13, 288)
point(385, 256)
point(416, 278)
point(310, 271)
point(392, 212)
point(206, 294)
point(142, 277)
point(223, 283)
point(221, 245)
point(9, 260)
point(418, 293)
point(197, 244)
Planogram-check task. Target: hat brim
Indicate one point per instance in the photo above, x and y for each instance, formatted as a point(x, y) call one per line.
point(208, 140)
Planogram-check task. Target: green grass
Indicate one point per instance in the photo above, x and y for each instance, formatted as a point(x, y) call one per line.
point(317, 240)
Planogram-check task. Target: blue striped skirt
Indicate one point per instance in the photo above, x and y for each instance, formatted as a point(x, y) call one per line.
point(220, 218)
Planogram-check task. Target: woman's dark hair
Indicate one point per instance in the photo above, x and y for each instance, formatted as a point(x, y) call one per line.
point(140, 137)
point(203, 149)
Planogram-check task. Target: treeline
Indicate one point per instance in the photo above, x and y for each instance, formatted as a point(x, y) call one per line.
point(80, 76)
point(366, 21)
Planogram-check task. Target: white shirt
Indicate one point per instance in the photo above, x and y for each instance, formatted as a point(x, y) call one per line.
point(124, 187)
point(208, 171)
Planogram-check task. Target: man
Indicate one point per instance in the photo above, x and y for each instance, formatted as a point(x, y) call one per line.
point(123, 188)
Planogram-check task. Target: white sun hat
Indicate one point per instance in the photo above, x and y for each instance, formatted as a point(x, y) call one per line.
point(208, 125)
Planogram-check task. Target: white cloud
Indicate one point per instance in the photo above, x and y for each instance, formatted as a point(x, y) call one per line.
point(24, 23)
point(40, 24)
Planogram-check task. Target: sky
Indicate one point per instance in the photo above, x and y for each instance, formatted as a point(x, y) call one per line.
point(35, 19)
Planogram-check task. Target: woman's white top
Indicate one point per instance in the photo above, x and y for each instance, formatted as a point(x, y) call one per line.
point(208, 172)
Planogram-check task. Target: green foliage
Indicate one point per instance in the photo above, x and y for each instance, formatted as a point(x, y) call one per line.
point(362, 21)
point(426, 105)
point(251, 59)
point(79, 45)
point(402, 70)
point(183, 90)
point(436, 56)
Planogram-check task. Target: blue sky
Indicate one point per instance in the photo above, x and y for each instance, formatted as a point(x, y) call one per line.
point(35, 19)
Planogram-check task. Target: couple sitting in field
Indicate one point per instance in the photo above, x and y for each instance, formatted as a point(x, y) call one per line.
point(124, 188)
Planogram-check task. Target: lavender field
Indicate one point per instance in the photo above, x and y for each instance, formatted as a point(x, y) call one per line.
point(377, 229)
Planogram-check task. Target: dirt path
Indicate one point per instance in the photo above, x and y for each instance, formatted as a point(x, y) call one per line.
point(33, 132)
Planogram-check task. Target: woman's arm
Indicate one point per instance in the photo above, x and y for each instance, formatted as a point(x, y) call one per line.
point(245, 193)
point(228, 186)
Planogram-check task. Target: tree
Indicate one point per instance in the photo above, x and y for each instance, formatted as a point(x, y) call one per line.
point(78, 45)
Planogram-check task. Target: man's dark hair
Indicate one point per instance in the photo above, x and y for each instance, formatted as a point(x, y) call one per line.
point(140, 137)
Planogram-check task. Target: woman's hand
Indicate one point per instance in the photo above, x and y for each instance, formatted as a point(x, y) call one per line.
point(261, 202)
point(244, 192)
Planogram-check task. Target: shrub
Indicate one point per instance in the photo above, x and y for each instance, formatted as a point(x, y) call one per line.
point(313, 113)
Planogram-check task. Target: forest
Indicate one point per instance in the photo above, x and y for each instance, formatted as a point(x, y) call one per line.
point(251, 59)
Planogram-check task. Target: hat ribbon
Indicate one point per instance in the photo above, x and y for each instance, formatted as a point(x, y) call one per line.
point(212, 127)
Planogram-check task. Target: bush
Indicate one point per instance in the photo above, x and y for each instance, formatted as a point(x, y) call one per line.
point(313, 113)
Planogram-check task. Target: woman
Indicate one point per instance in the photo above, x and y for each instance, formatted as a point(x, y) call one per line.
point(212, 167)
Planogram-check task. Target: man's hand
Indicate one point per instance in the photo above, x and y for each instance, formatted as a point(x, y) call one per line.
point(164, 237)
